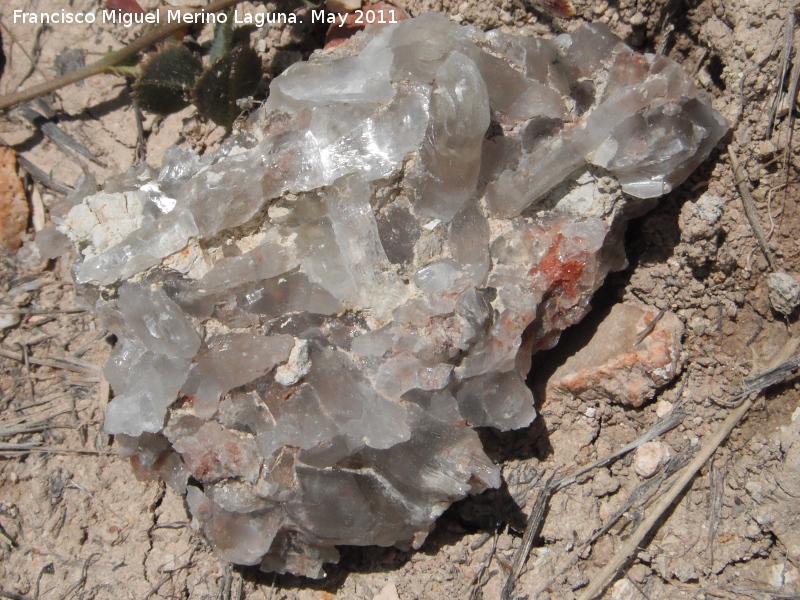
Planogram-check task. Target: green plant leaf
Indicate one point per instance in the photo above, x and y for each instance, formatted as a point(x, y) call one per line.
point(233, 76)
point(167, 79)
point(223, 39)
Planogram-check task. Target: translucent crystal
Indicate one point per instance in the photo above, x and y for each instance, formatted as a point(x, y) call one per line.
point(155, 380)
point(157, 321)
point(231, 360)
point(312, 319)
point(450, 156)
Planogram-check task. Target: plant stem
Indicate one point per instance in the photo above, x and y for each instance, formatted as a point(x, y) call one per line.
point(110, 60)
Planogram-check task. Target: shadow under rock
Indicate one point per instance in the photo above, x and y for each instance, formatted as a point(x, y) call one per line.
point(483, 512)
point(89, 113)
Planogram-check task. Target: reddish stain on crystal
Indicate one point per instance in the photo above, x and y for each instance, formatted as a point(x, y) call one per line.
point(560, 272)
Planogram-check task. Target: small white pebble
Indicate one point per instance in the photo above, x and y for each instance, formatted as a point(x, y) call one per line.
point(649, 457)
point(341, 6)
point(389, 592)
point(623, 590)
point(796, 414)
point(698, 420)
point(775, 575)
point(591, 412)
point(754, 488)
point(637, 19)
point(704, 77)
point(662, 408)
point(13, 477)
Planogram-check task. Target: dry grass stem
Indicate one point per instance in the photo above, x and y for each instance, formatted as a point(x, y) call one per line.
point(15, 450)
point(649, 328)
point(631, 545)
point(750, 208)
point(786, 51)
point(666, 423)
point(535, 522)
point(62, 362)
point(791, 100)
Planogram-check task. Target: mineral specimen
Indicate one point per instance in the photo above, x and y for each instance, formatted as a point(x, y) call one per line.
point(312, 319)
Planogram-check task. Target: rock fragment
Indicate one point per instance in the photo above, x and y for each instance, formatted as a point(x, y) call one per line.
point(14, 209)
point(784, 292)
point(650, 457)
point(700, 228)
point(313, 320)
point(613, 367)
point(342, 6)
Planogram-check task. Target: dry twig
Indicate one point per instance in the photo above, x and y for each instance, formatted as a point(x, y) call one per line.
point(531, 531)
point(716, 477)
point(631, 545)
point(32, 448)
point(12, 596)
point(669, 421)
point(761, 592)
point(64, 142)
point(64, 362)
point(750, 208)
point(637, 499)
point(788, 35)
point(791, 99)
point(477, 581)
point(42, 177)
point(649, 328)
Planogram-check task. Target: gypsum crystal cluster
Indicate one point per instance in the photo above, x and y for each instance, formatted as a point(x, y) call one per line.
point(312, 319)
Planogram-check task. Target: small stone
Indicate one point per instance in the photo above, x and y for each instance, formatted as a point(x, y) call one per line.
point(784, 292)
point(342, 6)
point(700, 227)
point(705, 78)
point(774, 576)
point(296, 366)
point(577, 579)
point(638, 19)
point(663, 407)
point(604, 483)
point(650, 457)
point(8, 319)
point(686, 570)
point(611, 367)
point(389, 592)
point(766, 148)
point(624, 590)
point(639, 573)
point(14, 209)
